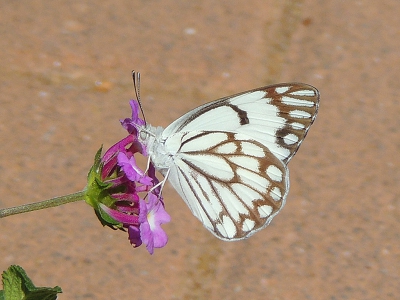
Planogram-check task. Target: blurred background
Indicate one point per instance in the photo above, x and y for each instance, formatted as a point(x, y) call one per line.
point(65, 81)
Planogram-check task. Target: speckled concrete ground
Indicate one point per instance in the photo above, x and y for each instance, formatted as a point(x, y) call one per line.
point(65, 82)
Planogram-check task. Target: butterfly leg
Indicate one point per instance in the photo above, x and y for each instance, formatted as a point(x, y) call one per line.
point(160, 185)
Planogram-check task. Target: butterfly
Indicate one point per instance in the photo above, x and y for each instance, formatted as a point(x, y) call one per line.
point(228, 158)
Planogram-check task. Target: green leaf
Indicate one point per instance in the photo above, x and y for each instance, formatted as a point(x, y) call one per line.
point(18, 286)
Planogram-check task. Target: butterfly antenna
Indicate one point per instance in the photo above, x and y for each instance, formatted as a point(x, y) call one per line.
point(136, 85)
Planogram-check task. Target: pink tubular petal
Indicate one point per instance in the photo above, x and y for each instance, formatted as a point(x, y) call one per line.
point(119, 216)
point(118, 147)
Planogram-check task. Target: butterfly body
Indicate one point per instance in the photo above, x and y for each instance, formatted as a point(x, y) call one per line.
point(228, 158)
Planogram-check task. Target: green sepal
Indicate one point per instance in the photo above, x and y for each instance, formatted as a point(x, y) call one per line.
point(18, 286)
point(95, 186)
point(97, 192)
point(106, 220)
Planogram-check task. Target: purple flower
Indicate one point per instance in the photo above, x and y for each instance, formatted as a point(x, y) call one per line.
point(117, 187)
point(152, 215)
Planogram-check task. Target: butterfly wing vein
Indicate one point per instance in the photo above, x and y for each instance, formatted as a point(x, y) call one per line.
point(230, 156)
point(235, 195)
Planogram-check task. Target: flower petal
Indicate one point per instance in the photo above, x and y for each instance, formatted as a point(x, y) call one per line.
point(134, 236)
point(132, 170)
point(151, 216)
point(131, 125)
point(119, 216)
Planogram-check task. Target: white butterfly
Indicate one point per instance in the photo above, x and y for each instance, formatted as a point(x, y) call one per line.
point(228, 158)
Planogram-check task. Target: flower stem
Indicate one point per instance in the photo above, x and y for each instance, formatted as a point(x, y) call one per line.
point(5, 212)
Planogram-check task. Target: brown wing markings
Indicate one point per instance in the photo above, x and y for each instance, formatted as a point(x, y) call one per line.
point(265, 199)
point(288, 112)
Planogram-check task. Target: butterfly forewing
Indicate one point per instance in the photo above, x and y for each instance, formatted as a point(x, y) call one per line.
point(228, 158)
point(277, 116)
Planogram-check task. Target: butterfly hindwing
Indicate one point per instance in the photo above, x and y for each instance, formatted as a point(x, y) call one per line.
point(233, 186)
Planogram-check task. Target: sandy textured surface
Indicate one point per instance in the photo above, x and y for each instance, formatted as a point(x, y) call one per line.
point(65, 82)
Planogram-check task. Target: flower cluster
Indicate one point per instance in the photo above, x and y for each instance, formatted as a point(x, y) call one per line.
point(115, 182)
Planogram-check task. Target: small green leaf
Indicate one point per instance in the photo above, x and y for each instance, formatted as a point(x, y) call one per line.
point(18, 286)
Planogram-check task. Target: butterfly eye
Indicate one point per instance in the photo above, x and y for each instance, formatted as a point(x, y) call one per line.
point(143, 135)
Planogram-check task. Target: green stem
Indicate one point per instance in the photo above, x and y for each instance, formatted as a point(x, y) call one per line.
point(5, 212)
